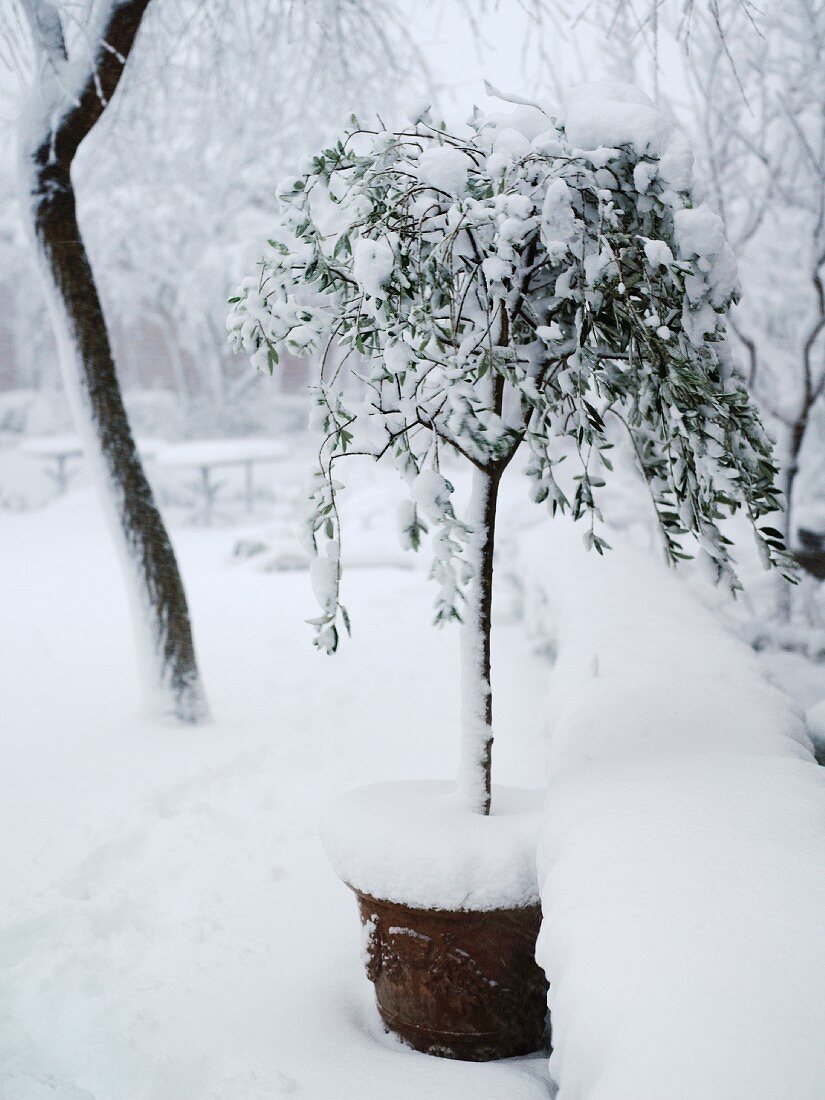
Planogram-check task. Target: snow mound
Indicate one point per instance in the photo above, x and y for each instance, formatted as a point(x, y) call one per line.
point(415, 843)
point(444, 168)
point(683, 896)
point(682, 854)
point(607, 113)
point(372, 265)
point(604, 114)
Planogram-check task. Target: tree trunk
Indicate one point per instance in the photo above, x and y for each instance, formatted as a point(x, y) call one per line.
point(476, 693)
point(790, 472)
point(49, 141)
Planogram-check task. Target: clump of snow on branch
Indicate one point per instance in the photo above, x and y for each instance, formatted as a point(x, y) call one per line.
point(561, 254)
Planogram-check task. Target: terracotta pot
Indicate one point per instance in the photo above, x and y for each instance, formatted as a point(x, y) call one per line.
point(457, 984)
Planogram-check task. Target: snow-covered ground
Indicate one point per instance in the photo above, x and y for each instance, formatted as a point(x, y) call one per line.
point(170, 925)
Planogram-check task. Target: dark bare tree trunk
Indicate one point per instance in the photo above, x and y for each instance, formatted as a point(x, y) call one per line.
point(790, 471)
point(797, 436)
point(48, 151)
point(814, 384)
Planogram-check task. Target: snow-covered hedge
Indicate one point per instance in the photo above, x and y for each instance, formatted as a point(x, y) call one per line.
point(682, 854)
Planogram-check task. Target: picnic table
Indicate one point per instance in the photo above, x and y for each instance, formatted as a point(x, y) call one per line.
point(62, 453)
point(208, 456)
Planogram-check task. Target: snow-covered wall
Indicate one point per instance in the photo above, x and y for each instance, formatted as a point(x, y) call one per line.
point(682, 857)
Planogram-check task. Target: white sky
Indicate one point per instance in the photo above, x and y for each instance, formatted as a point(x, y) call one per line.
point(504, 50)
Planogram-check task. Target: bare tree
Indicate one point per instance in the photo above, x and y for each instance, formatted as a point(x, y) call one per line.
point(220, 96)
point(761, 96)
point(76, 72)
point(199, 112)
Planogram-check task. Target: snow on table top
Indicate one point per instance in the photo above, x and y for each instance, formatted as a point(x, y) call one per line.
point(52, 446)
point(56, 446)
point(415, 843)
point(219, 452)
point(682, 853)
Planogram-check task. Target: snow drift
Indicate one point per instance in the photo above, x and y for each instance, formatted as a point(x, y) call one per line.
point(682, 855)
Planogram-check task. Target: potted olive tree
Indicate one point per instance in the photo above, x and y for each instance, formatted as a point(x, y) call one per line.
point(507, 290)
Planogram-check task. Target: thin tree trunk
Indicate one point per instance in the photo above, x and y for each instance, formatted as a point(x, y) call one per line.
point(797, 436)
point(49, 141)
point(790, 472)
point(474, 776)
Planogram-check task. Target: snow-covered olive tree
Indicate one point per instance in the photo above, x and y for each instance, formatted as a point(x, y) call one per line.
point(510, 289)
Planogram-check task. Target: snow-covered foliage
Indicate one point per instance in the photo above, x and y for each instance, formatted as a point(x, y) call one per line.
point(518, 283)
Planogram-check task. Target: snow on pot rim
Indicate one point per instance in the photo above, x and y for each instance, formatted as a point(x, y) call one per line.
point(414, 842)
